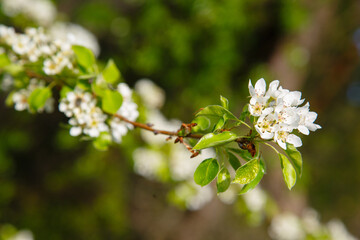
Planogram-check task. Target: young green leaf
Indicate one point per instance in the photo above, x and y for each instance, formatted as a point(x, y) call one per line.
point(289, 172)
point(64, 91)
point(234, 161)
point(103, 141)
point(111, 101)
point(244, 154)
point(223, 180)
point(247, 172)
point(220, 124)
point(295, 157)
point(206, 171)
point(84, 56)
point(224, 102)
point(245, 112)
point(111, 73)
point(38, 98)
point(212, 140)
point(203, 123)
point(251, 185)
point(4, 60)
point(216, 111)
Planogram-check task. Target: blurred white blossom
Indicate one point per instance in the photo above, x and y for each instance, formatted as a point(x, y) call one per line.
point(152, 95)
point(286, 226)
point(43, 12)
point(75, 35)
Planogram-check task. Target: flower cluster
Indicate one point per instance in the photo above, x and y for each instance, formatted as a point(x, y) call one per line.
point(278, 113)
point(43, 12)
point(35, 46)
point(85, 116)
point(89, 119)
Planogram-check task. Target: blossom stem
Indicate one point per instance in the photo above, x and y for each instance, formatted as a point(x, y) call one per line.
point(272, 147)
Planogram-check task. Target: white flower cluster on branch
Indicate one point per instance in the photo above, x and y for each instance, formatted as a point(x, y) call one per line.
point(35, 46)
point(278, 113)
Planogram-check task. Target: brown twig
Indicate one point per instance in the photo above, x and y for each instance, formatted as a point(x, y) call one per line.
point(156, 131)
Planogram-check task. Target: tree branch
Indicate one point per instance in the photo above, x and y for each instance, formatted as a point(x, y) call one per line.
point(157, 131)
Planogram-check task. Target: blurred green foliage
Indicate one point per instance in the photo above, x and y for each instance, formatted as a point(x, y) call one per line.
point(61, 188)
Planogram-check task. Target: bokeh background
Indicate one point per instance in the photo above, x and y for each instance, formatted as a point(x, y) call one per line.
point(63, 188)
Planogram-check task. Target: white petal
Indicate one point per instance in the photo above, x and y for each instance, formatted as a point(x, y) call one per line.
point(304, 130)
point(281, 144)
point(251, 88)
point(295, 140)
point(75, 131)
point(260, 87)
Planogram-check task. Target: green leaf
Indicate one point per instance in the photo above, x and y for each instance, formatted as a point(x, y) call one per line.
point(220, 124)
point(234, 161)
point(211, 140)
point(203, 123)
point(102, 142)
point(99, 89)
point(84, 56)
point(295, 157)
point(38, 98)
point(224, 102)
point(247, 172)
point(217, 111)
point(206, 171)
point(223, 180)
point(64, 91)
point(256, 180)
point(111, 101)
point(111, 73)
point(245, 112)
point(244, 154)
point(4, 60)
point(289, 172)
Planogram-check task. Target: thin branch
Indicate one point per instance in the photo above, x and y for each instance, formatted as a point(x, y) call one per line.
point(156, 131)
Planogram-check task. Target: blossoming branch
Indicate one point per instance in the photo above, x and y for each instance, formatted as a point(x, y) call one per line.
point(102, 107)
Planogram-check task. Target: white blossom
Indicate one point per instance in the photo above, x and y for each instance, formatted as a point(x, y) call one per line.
point(42, 12)
point(75, 35)
point(286, 226)
point(278, 113)
point(85, 116)
point(152, 95)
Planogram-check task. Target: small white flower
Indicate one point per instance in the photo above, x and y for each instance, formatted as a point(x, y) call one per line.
point(282, 137)
point(307, 119)
point(265, 126)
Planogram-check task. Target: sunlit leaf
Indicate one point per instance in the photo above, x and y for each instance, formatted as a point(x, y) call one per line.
point(102, 142)
point(203, 123)
point(288, 170)
point(111, 101)
point(206, 171)
point(38, 98)
point(4, 60)
point(295, 157)
point(84, 56)
point(223, 180)
point(234, 161)
point(224, 102)
point(211, 140)
point(216, 111)
point(111, 73)
point(247, 172)
point(244, 154)
point(251, 185)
